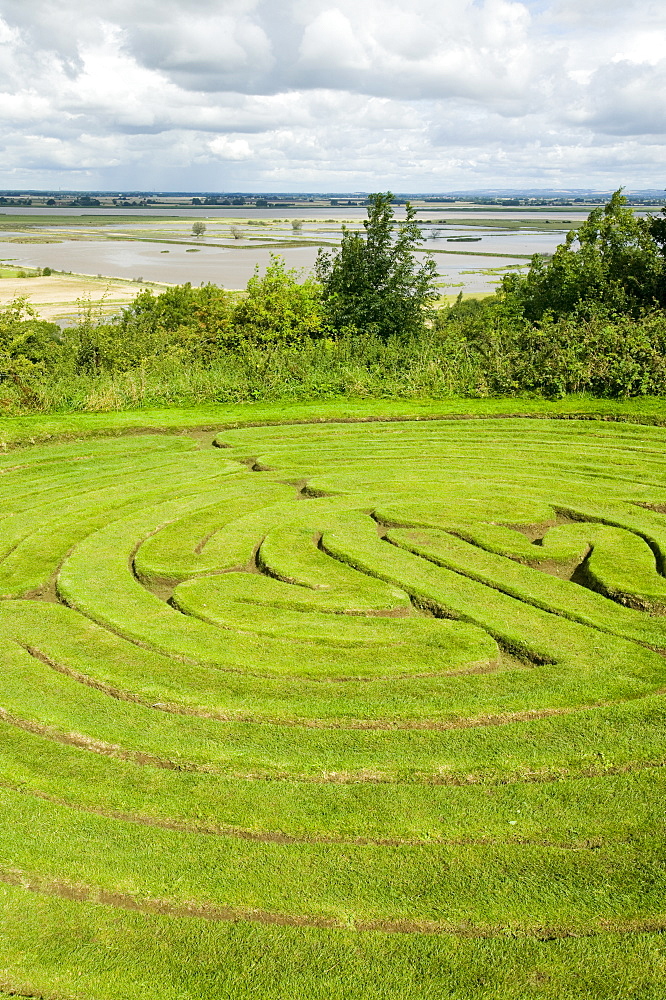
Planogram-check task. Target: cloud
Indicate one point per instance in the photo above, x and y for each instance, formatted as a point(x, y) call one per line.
point(625, 98)
point(226, 148)
point(330, 43)
point(329, 94)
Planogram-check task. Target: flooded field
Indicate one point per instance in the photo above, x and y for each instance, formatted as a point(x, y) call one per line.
point(471, 250)
point(231, 268)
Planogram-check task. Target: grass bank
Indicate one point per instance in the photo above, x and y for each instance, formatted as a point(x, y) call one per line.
point(334, 699)
point(31, 428)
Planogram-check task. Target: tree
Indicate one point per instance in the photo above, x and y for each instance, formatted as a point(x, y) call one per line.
point(29, 349)
point(374, 283)
point(278, 307)
point(198, 228)
point(658, 232)
point(612, 264)
point(296, 225)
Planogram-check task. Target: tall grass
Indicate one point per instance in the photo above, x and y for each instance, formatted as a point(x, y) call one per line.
point(311, 369)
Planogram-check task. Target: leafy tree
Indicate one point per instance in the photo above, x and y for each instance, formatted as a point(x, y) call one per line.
point(198, 228)
point(190, 324)
point(374, 283)
point(658, 233)
point(611, 264)
point(29, 349)
point(279, 308)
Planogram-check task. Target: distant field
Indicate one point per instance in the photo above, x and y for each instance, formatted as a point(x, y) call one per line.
point(28, 221)
point(152, 246)
point(60, 297)
point(362, 707)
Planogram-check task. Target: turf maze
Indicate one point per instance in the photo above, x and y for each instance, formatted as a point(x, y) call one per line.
point(334, 679)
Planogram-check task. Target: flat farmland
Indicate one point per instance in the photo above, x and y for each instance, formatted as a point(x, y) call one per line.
point(472, 251)
point(313, 704)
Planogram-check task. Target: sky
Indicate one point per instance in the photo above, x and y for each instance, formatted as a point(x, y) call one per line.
point(332, 95)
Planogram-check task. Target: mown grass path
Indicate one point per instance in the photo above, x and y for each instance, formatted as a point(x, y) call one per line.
point(334, 708)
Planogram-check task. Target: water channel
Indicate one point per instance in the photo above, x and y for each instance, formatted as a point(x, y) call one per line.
point(470, 253)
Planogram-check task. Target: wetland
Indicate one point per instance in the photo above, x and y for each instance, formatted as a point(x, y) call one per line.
point(113, 254)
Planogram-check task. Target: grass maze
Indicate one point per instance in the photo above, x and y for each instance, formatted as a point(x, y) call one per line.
point(335, 710)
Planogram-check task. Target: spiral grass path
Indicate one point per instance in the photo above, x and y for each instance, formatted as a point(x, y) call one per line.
point(335, 710)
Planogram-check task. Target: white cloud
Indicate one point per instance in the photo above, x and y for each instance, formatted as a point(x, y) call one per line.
point(330, 43)
point(256, 94)
point(227, 148)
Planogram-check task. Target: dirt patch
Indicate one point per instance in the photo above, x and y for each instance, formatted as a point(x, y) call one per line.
point(205, 437)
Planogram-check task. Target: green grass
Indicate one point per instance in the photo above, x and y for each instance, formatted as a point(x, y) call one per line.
point(35, 428)
point(82, 951)
point(65, 220)
point(364, 701)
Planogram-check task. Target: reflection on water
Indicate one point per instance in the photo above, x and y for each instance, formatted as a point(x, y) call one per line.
point(462, 252)
point(150, 262)
point(177, 264)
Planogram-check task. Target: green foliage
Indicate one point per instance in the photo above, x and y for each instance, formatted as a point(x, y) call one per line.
point(658, 232)
point(611, 264)
point(198, 228)
point(26, 337)
point(188, 323)
point(29, 348)
point(608, 356)
point(278, 308)
point(182, 311)
point(374, 283)
point(591, 320)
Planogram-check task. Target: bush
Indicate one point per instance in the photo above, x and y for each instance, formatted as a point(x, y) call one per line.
point(607, 356)
point(189, 323)
point(374, 283)
point(616, 267)
point(30, 349)
point(278, 308)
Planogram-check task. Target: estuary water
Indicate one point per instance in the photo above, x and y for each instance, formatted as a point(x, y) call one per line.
point(221, 265)
point(469, 257)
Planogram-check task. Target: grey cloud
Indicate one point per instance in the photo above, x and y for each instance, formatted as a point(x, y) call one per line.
point(324, 92)
point(626, 99)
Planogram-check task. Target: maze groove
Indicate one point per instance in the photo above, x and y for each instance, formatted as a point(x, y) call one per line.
point(381, 676)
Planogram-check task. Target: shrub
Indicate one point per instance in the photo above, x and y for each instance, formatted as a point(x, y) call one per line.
point(611, 264)
point(278, 307)
point(29, 349)
point(189, 323)
point(374, 283)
